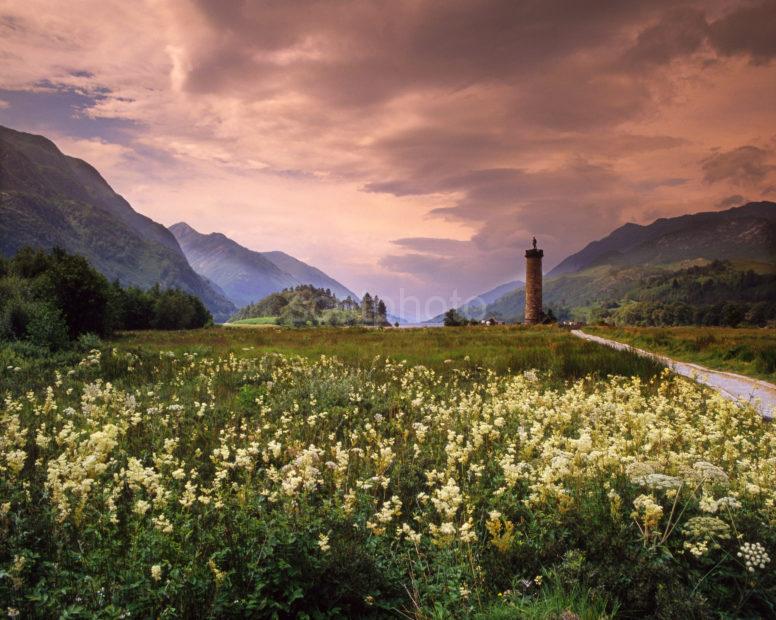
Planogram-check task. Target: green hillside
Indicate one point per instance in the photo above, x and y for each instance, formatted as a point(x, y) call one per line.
point(48, 200)
point(717, 293)
point(745, 233)
point(715, 268)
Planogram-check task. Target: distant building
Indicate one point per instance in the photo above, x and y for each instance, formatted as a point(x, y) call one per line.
point(533, 285)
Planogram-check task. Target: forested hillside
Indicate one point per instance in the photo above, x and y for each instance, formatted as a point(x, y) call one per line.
point(745, 233)
point(716, 293)
point(247, 276)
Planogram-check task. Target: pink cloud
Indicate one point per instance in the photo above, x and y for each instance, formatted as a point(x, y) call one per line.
point(458, 128)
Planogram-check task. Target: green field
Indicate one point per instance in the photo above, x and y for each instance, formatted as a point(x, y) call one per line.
point(747, 351)
point(258, 320)
point(484, 473)
point(502, 349)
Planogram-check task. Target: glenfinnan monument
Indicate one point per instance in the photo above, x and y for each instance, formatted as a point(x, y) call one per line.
point(533, 285)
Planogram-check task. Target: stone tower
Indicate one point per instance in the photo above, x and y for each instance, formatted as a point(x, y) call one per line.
point(533, 285)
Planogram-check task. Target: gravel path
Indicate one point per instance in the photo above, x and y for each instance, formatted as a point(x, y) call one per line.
point(736, 387)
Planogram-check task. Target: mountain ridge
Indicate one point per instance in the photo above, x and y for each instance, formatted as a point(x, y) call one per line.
point(247, 276)
point(615, 268)
point(662, 241)
point(50, 199)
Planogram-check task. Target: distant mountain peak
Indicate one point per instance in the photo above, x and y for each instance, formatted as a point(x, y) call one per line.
point(746, 231)
point(181, 227)
point(245, 275)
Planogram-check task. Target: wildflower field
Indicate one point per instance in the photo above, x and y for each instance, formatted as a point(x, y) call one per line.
point(241, 473)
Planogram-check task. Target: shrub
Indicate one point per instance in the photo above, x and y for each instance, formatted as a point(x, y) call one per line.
point(89, 342)
point(80, 293)
point(15, 319)
point(46, 327)
point(453, 318)
point(765, 361)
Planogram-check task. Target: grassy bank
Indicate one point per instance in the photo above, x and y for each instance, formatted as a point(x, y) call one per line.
point(747, 351)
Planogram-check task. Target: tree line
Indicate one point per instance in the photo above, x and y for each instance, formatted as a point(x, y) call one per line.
point(307, 305)
point(715, 294)
point(53, 298)
point(659, 314)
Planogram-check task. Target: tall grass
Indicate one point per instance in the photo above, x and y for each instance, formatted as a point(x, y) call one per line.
point(748, 351)
point(257, 320)
point(503, 349)
point(558, 601)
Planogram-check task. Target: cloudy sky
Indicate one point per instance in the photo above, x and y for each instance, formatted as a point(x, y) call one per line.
point(405, 146)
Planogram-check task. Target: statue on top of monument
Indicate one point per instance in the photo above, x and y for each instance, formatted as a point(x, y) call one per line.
point(534, 243)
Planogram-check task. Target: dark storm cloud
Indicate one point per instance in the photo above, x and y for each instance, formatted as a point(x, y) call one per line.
point(655, 183)
point(426, 154)
point(525, 109)
point(576, 201)
point(539, 66)
point(749, 30)
point(679, 32)
point(574, 99)
point(745, 166)
point(372, 51)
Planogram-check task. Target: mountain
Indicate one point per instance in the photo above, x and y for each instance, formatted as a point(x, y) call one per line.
point(476, 308)
point(48, 199)
point(244, 275)
point(307, 274)
point(247, 276)
point(668, 261)
point(741, 233)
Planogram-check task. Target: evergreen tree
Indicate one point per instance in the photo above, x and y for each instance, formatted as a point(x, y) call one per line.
point(368, 306)
point(382, 312)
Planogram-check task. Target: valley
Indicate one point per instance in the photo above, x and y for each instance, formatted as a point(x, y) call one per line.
point(309, 459)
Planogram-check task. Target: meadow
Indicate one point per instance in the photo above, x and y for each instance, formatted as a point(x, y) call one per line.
point(747, 351)
point(322, 473)
point(257, 320)
point(503, 349)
